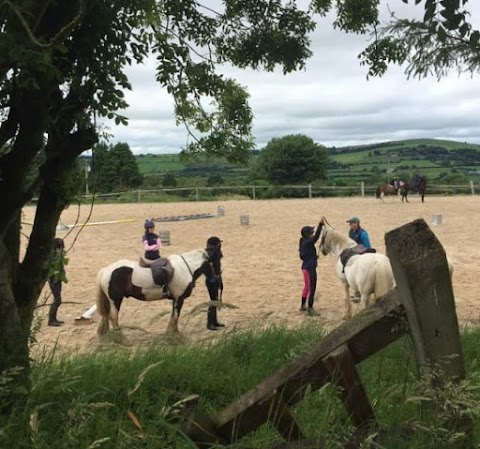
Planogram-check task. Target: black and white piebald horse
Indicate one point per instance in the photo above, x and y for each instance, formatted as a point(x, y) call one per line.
point(126, 278)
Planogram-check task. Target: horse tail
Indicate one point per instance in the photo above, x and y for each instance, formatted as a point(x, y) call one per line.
point(383, 278)
point(103, 305)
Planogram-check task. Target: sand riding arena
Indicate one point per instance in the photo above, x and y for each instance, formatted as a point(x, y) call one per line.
point(261, 267)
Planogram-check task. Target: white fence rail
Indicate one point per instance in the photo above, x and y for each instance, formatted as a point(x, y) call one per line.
point(255, 192)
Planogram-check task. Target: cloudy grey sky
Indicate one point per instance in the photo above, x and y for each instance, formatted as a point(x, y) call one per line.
point(330, 101)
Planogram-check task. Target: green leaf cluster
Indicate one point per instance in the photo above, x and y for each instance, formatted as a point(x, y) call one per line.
point(56, 270)
point(292, 159)
point(443, 40)
point(114, 168)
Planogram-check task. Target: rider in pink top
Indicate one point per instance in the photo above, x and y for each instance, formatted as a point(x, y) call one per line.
point(151, 241)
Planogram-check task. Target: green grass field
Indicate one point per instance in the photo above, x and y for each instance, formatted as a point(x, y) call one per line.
point(116, 399)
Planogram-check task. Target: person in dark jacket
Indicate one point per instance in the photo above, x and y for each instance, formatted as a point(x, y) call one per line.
point(151, 241)
point(214, 285)
point(56, 276)
point(308, 254)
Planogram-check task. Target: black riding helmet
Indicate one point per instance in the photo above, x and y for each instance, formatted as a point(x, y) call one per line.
point(149, 224)
point(307, 231)
point(58, 243)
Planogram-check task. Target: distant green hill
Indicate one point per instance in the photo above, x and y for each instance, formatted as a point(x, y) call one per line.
point(399, 144)
point(443, 161)
point(440, 160)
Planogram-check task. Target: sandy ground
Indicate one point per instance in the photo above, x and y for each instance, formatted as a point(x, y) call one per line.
point(261, 267)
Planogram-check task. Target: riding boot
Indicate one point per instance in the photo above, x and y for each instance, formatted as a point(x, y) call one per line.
point(52, 316)
point(310, 310)
point(215, 320)
point(211, 319)
point(303, 307)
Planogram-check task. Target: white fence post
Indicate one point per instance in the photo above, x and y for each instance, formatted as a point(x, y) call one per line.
point(472, 187)
point(362, 189)
point(310, 190)
point(253, 192)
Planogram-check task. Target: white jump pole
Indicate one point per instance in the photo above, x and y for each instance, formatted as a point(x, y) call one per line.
point(90, 312)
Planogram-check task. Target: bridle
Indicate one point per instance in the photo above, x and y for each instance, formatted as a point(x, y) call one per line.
point(322, 241)
point(324, 233)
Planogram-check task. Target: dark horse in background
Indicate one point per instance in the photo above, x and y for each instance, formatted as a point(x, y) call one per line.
point(418, 185)
point(402, 188)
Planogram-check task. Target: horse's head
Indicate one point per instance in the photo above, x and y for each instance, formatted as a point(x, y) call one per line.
point(332, 241)
point(324, 246)
point(214, 252)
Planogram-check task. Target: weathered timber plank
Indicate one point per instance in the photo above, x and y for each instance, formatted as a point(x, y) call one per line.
point(200, 428)
point(375, 327)
point(283, 420)
point(421, 272)
point(344, 374)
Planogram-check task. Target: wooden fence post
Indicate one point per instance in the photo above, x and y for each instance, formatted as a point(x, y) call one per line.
point(310, 191)
point(362, 189)
point(472, 187)
point(423, 281)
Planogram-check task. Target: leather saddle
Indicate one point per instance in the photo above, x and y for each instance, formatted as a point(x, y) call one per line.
point(162, 269)
point(346, 254)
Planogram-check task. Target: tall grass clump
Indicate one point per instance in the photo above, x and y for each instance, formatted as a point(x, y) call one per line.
point(115, 399)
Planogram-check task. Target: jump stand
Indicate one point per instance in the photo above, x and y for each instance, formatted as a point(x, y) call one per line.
point(164, 237)
point(436, 219)
point(244, 220)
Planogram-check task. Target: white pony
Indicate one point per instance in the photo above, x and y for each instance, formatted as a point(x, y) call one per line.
point(368, 273)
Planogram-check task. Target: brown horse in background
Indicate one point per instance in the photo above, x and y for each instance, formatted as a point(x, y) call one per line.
point(388, 189)
point(417, 185)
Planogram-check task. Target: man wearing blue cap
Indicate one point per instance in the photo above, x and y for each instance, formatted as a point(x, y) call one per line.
point(358, 234)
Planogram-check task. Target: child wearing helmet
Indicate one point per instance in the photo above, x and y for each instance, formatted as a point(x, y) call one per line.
point(308, 254)
point(151, 242)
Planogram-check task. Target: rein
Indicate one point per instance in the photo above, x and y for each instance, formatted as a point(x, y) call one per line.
point(188, 266)
point(322, 240)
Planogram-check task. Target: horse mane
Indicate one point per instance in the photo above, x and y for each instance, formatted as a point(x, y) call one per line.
point(335, 237)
